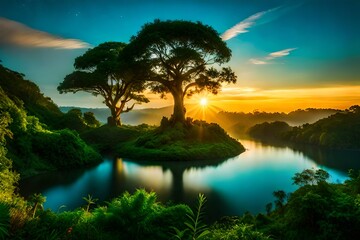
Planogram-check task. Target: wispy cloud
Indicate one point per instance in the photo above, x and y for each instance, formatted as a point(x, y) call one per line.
point(257, 19)
point(281, 53)
point(244, 25)
point(15, 33)
point(271, 56)
point(257, 61)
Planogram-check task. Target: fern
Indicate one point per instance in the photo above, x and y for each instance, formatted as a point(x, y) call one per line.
point(4, 220)
point(195, 228)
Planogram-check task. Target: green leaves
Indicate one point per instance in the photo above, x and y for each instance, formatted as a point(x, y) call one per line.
point(37, 199)
point(178, 57)
point(90, 201)
point(310, 177)
point(195, 228)
point(4, 220)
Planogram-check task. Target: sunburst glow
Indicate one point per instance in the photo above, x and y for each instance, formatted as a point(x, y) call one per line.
point(203, 102)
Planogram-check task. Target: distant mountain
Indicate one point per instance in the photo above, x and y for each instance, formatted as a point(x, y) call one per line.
point(151, 116)
point(237, 123)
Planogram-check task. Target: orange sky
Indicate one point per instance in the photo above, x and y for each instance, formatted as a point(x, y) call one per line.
point(237, 99)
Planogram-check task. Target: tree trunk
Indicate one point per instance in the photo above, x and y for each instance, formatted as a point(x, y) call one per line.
point(115, 119)
point(179, 109)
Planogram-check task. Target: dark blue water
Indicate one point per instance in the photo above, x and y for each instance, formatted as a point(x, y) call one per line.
point(239, 184)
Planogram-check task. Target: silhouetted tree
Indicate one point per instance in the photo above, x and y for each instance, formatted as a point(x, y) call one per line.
point(310, 177)
point(268, 208)
point(280, 198)
point(102, 71)
point(181, 56)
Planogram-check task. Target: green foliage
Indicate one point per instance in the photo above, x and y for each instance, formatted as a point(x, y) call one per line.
point(103, 71)
point(179, 58)
point(238, 123)
point(8, 178)
point(317, 210)
point(64, 149)
point(280, 198)
point(273, 130)
point(73, 120)
point(152, 220)
point(195, 228)
point(21, 90)
point(35, 149)
point(37, 200)
point(310, 177)
point(90, 201)
point(199, 141)
point(341, 130)
point(354, 181)
point(233, 229)
point(4, 220)
point(90, 119)
point(108, 138)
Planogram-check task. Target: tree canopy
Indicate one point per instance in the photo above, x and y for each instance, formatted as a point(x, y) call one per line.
point(181, 58)
point(102, 71)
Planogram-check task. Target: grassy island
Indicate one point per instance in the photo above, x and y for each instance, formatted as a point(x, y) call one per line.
point(194, 141)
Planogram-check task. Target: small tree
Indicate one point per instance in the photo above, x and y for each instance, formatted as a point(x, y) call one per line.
point(102, 71)
point(37, 200)
point(90, 201)
point(310, 177)
point(268, 208)
point(280, 198)
point(180, 57)
point(91, 120)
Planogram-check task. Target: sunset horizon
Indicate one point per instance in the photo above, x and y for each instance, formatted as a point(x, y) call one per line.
point(287, 55)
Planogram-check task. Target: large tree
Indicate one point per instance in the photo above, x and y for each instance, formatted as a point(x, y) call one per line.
point(183, 58)
point(103, 71)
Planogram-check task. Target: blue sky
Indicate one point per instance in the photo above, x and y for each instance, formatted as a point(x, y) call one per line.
point(278, 46)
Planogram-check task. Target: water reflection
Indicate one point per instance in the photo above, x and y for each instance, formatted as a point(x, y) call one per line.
point(239, 184)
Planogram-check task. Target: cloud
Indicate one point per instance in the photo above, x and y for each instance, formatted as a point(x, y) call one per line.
point(258, 19)
point(281, 53)
point(257, 61)
point(15, 33)
point(271, 56)
point(244, 25)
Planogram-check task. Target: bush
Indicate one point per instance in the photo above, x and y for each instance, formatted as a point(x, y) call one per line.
point(199, 141)
point(64, 149)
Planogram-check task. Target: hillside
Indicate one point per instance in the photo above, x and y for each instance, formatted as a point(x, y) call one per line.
point(21, 90)
point(238, 123)
point(340, 130)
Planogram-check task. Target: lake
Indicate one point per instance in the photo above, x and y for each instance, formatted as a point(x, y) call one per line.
point(232, 187)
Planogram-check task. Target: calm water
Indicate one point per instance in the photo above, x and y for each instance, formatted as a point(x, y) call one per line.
point(239, 184)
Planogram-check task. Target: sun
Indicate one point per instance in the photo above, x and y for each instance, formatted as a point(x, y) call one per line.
point(203, 102)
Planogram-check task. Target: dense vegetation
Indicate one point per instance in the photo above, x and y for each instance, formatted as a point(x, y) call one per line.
point(238, 123)
point(273, 130)
point(27, 94)
point(197, 141)
point(31, 144)
point(20, 90)
point(317, 210)
point(34, 148)
point(341, 130)
point(102, 71)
